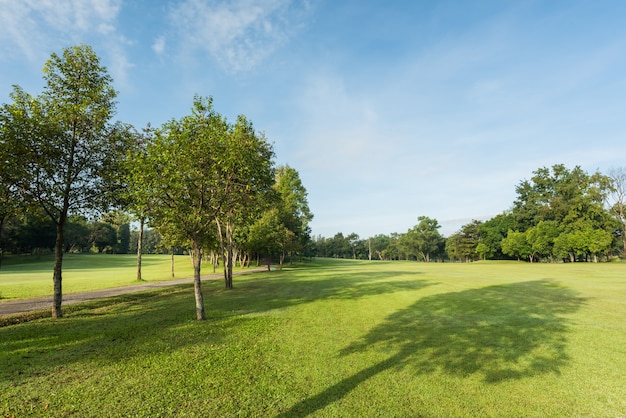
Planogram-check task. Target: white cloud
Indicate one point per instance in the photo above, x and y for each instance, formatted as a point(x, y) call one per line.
point(237, 34)
point(159, 45)
point(35, 28)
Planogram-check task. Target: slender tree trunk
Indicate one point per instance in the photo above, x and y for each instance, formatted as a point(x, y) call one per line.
point(229, 257)
point(1, 249)
point(172, 261)
point(223, 250)
point(57, 280)
point(624, 238)
point(197, 287)
point(139, 243)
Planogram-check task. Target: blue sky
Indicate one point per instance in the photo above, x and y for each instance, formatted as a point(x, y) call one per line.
point(388, 110)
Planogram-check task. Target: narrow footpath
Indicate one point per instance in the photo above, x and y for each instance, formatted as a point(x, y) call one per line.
point(37, 304)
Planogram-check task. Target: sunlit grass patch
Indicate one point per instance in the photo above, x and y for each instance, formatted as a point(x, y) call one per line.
point(336, 338)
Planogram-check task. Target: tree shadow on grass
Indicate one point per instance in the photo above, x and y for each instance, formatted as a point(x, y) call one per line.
point(282, 291)
point(150, 322)
point(498, 332)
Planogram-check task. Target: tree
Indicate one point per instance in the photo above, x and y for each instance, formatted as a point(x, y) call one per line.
point(463, 244)
point(180, 171)
point(246, 168)
point(516, 245)
point(541, 238)
point(267, 235)
point(120, 221)
point(64, 142)
point(618, 195)
point(423, 239)
point(491, 234)
point(561, 195)
point(77, 232)
point(293, 206)
point(135, 199)
point(379, 244)
point(196, 172)
point(103, 237)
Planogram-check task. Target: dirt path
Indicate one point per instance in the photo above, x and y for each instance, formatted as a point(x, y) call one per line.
point(36, 304)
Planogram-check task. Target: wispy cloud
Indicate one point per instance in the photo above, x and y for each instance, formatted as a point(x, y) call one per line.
point(237, 34)
point(35, 28)
point(159, 45)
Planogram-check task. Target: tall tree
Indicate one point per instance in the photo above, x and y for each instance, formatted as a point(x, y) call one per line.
point(423, 239)
point(618, 197)
point(491, 234)
point(195, 172)
point(65, 142)
point(293, 206)
point(247, 172)
point(565, 196)
point(462, 245)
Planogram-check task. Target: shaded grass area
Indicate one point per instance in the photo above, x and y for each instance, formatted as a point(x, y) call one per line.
point(334, 338)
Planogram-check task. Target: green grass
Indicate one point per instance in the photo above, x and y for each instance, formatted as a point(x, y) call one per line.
point(27, 276)
point(335, 339)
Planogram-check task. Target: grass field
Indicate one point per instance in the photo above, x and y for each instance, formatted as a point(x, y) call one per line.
point(336, 338)
point(27, 276)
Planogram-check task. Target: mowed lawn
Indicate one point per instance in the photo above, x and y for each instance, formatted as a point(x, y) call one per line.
point(29, 277)
point(336, 338)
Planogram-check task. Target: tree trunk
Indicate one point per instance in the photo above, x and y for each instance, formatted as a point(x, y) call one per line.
point(1, 249)
point(197, 288)
point(57, 298)
point(223, 250)
point(139, 242)
point(172, 262)
point(624, 240)
point(229, 256)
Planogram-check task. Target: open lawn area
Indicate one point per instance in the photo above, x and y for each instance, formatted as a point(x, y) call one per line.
point(30, 277)
point(334, 338)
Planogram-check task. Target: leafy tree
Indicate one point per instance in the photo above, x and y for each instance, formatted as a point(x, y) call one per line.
point(246, 169)
point(568, 197)
point(491, 234)
point(198, 172)
point(293, 206)
point(423, 239)
point(516, 245)
point(541, 238)
point(120, 221)
point(463, 244)
point(583, 242)
point(354, 242)
point(65, 143)
point(182, 174)
point(77, 233)
point(103, 237)
point(268, 235)
point(379, 244)
point(618, 197)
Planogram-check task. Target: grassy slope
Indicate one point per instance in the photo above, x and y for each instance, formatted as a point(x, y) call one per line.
point(337, 339)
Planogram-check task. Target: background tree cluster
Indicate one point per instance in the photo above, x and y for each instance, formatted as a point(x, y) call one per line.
point(559, 214)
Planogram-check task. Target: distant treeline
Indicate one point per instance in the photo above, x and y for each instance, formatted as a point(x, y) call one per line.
point(558, 215)
point(36, 233)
